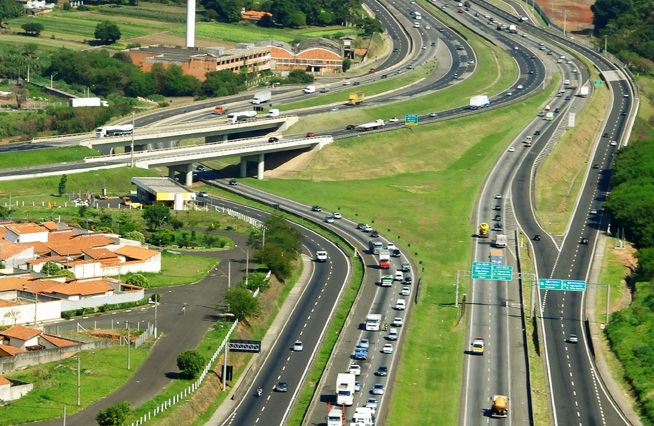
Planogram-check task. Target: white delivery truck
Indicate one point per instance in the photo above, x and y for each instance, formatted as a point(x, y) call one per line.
point(273, 112)
point(373, 322)
point(583, 92)
point(345, 388)
point(310, 89)
point(363, 416)
point(481, 101)
point(500, 241)
point(235, 117)
point(261, 97)
point(87, 102)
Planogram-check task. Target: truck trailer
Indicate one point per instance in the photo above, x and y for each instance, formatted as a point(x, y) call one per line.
point(87, 102)
point(377, 124)
point(336, 416)
point(497, 257)
point(481, 101)
point(109, 131)
point(373, 322)
point(262, 97)
point(235, 117)
point(384, 259)
point(345, 388)
point(356, 98)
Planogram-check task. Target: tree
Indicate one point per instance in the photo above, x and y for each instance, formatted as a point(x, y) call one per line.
point(155, 215)
point(50, 268)
point(10, 9)
point(135, 236)
point(33, 28)
point(347, 63)
point(241, 303)
point(139, 280)
point(190, 363)
point(107, 32)
point(114, 415)
point(370, 26)
point(62, 184)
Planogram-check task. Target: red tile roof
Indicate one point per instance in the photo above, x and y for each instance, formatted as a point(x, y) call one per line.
point(82, 288)
point(136, 252)
point(26, 228)
point(7, 351)
point(100, 254)
point(9, 249)
point(57, 341)
point(21, 332)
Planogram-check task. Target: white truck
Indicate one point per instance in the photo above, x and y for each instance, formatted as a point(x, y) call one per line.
point(109, 131)
point(261, 97)
point(500, 241)
point(235, 117)
point(377, 124)
point(345, 388)
point(363, 416)
point(336, 416)
point(87, 102)
point(310, 89)
point(373, 322)
point(480, 101)
point(583, 92)
point(513, 28)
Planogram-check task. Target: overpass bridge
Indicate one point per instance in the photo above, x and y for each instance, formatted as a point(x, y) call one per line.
point(181, 159)
point(154, 138)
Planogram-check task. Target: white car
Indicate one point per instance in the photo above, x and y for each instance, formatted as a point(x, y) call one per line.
point(337, 216)
point(377, 389)
point(297, 346)
point(427, 27)
point(329, 219)
point(364, 343)
point(520, 87)
point(566, 82)
point(511, 149)
point(372, 403)
point(498, 196)
point(406, 291)
point(397, 321)
point(387, 349)
point(393, 120)
point(400, 305)
point(334, 108)
point(347, 83)
point(399, 275)
point(614, 143)
point(390, 246)
point(509, 94)
point(355, 369)
point(367, 228)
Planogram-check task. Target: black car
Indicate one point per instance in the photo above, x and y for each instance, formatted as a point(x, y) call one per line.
point(623, 113)
point(356, 83)
point(407, 279)
point(382, 371)
point(273, 139)
point(384, 76)
point(583, 240)
point(497, 207)
point(315, 208)
point(605, 135)
point(537, 237)
point(497, 226)
point(350, 127)
point(360, 225)
point(557, 110)
point(281, 387)
point(396, 49)
point(232, 182)
point(537, 133)
point(374, 233)
point(497, 218)
point(595, 166)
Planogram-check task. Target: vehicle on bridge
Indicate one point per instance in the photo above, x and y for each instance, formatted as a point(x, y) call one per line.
point(235, 117)
point(109, 131)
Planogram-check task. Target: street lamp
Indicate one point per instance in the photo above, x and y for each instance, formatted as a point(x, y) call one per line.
point(132, 146)
point(51, 77)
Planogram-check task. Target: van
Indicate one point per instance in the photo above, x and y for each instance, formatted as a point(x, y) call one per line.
point(310, 89)
point(273, 112)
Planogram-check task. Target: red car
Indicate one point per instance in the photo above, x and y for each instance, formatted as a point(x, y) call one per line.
point(310, 134)
point(533, 56)
point(371, 70)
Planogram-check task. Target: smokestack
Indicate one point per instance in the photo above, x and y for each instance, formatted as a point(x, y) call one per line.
point(190, 23)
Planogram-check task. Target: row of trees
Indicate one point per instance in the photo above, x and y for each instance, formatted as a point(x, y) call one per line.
point(629, 28)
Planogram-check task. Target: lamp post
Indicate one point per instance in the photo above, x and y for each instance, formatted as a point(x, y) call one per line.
point(132, 145)
point(51, 77)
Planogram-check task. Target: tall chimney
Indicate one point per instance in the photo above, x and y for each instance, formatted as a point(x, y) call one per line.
point(190, 23)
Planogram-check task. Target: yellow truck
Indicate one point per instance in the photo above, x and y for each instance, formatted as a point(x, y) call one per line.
point(483, 230)
point(356, 98)
point(500, 407)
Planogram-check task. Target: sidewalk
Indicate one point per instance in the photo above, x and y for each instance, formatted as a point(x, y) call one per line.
point(594, 325)
point(245, 381)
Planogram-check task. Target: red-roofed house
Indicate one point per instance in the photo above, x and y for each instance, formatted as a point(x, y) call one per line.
point(82, 289)
point(26, 233)
point(253, 15)
point(14, 255)
point(21, 337)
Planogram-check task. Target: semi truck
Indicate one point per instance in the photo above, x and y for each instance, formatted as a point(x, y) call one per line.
point(87, 102)
point(336, 416)
point(384, 259)
point(500, 407)
point(356, 98)
point(109, 131)
point(377, 124)
point(481, 101)
point(583, 92)
point(345, 388)
point(363, 416)
point(261, 97)
point(373, 322)
point(235, 117)
point(483, 230)
point(500, 241)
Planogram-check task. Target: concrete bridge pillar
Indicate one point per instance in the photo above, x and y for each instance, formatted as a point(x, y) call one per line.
point(260, 166)
point(189, 174)
point(171, 172)
point(244, 167)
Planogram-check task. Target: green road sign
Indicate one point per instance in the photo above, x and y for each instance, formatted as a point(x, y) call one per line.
point(574, 285)
point(481, 270)
point(502, 273)
point(411, 120)
point(597, 82)
point(549, 284)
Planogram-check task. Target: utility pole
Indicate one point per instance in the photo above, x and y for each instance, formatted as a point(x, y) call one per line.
point(79, 387)
point(565, 20)
point(247, 266)
point(129, 358)
point(132, 145)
